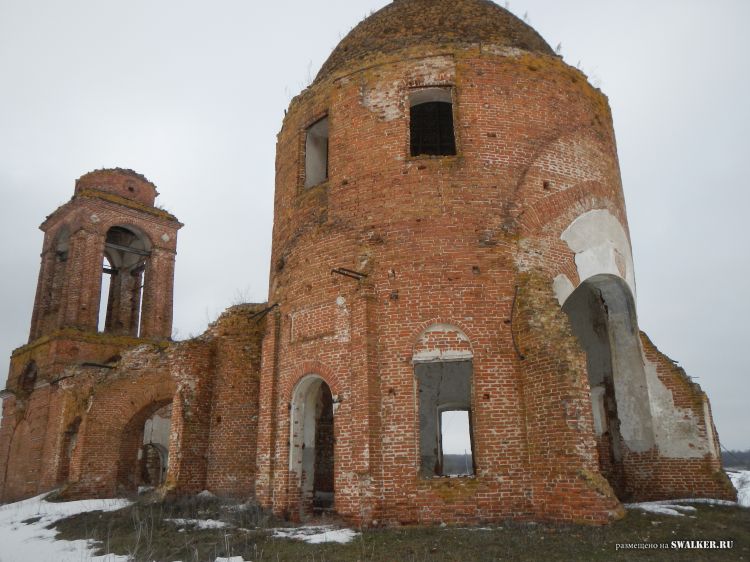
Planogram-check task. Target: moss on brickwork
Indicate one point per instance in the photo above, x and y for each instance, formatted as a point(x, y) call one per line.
point(555, 70)
point(424, 23)
point(76, 334)
point(597, 482)
point(112, 198)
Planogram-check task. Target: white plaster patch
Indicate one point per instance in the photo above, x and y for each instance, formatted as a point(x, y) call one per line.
point(383, 100)
point(600, 242)
point(563, 287)
point(387, 99)
point(598, 409)
point(676, 430)
point(445, 328)
point(439, 355)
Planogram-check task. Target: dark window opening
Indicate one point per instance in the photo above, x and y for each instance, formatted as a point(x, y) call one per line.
point(431, 123)
point(70, 439)
point(28, 377)
point(445, 433)
point(316, 153)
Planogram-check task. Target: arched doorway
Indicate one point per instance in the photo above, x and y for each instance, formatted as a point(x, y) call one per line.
point(311, 459)
point(144, 448)
point(602, 315)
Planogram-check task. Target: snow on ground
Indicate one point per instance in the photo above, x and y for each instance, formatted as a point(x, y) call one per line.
point(741, 481)
point(25, 542)
point(316, 534)
point(662, 508)
point(32, 541)
point(199, 523)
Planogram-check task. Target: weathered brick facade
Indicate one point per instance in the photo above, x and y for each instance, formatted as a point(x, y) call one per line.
point(510, 257)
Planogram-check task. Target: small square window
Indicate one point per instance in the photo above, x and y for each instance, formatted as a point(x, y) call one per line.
point(316, 153)
point(431, 122)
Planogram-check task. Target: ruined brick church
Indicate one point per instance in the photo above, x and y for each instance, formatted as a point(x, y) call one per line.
point(450, 333)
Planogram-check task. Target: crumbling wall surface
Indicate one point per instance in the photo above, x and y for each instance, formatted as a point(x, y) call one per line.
point(563, 458)
point(23, 435)
point(191, 366)
point(113, 414)
point(687, 459)
point(238, 334)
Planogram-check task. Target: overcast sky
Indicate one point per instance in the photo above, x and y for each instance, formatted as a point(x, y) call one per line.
point(192, 94)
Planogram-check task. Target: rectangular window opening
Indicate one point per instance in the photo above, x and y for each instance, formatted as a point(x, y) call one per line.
point(445, 431)
point(431, 122)
point(457, 458)
point(316, 153)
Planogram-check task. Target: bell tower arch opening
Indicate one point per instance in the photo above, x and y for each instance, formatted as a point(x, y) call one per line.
point(127, 252)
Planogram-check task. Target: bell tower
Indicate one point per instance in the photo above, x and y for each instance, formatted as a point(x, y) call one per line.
point(105, 285)
point(107, 261)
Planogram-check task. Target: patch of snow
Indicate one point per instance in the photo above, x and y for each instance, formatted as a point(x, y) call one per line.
point(706, 501)
point(199, 523)
point(206, 495)
point(316, 534)
point(655, 507)
point(673, 507)
point(741, 481)
point(230, 559)
point(22, 542)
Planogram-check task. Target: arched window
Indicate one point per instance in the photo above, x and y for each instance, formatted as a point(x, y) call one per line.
point(431, 122)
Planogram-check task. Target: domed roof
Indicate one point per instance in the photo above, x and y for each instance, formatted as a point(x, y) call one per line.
point(408, 23)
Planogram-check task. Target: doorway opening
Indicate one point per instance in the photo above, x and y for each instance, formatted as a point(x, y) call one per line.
point(312, 446)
